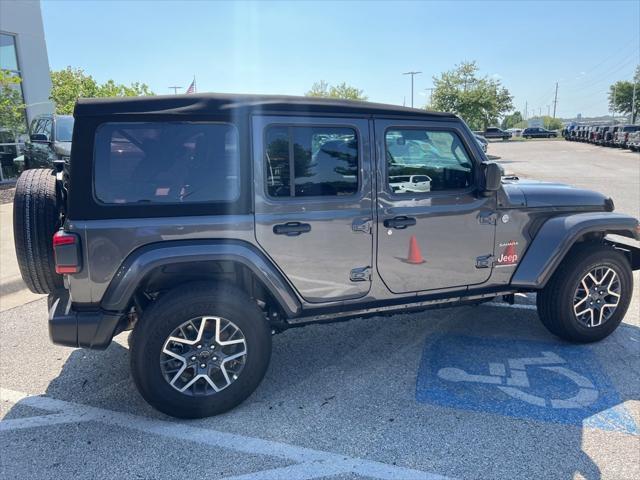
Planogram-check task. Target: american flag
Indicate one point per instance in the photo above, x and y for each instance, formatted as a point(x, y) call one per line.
point(192, 87)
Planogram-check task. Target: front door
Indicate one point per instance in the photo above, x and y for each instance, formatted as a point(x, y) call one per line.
point(435, 231)
point(313, 208)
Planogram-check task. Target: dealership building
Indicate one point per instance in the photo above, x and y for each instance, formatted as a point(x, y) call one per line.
point(23, 56)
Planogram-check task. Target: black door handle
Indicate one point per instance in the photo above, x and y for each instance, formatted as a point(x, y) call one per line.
point(291, 229)
point(399, 222)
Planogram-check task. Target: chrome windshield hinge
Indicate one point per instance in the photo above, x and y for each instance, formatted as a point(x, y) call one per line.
point(362, 274)
point(484, 261)
point(487, 218)
point(360, 225)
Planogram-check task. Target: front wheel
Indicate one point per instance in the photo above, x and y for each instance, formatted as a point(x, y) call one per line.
point(587, 297)
point(200, 350)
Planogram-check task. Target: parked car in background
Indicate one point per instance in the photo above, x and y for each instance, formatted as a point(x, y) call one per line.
point(633, 140)
point(599, 139)
point(515, 132)
point(483, 142)
point(538, 132)
point(493, 133)
point(621, 138)
point(569, 133)
point(607, 140)
point(49, 140)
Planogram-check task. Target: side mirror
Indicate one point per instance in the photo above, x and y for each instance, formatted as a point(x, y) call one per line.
point(493, 173)
point(39, 138)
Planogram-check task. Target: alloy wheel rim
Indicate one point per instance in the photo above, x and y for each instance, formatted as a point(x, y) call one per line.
point(597, 296)
point(203, 356)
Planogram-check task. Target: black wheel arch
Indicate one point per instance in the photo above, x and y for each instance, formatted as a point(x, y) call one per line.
point(558, 235)
point(184, 261)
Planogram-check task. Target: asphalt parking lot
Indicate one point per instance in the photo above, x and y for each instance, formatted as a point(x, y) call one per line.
point(471, 392)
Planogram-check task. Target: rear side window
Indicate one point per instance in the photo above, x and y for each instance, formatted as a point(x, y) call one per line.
point(311, 161)
point(166, 162)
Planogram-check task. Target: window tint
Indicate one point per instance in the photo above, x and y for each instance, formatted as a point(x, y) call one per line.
point(166, 163)
point(316, 161)
point(421, 161)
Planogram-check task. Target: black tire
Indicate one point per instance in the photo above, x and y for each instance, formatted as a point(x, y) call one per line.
point(36, 217)
point(169, 312)
point(555, 301)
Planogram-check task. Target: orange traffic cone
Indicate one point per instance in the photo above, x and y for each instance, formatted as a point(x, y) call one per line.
point(415, 256)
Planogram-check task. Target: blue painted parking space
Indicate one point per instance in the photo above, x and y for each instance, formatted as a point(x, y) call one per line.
point(545, 381)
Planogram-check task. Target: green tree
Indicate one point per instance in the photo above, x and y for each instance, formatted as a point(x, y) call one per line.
point(510, 121)
point(342, 90)
point(12, 108)
point(70, 84)
point(621, 95)
point(480, 101)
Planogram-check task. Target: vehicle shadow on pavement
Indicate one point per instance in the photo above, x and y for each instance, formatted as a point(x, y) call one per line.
point(355, 388)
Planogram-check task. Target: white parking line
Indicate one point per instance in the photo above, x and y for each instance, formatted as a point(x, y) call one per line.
point(299, 471)
point(309, 463)
point(41, 421)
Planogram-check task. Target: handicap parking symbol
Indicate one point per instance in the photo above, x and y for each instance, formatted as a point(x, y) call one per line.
point(545, 381)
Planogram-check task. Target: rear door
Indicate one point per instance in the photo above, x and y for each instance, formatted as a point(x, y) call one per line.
point(313, 207)
point(440, 235)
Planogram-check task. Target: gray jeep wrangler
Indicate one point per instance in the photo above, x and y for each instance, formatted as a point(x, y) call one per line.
point(207, 223)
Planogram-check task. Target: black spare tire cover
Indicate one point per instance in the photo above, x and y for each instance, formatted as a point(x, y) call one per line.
point(36, 217)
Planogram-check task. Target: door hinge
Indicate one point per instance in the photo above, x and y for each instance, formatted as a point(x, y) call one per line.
point(487, 218)
point(484, 261)
point(360, 225)
point(362, 274)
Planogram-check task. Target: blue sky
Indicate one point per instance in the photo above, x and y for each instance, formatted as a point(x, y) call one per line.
point(284, 47)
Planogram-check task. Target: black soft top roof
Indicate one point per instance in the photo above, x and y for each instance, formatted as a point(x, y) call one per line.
point(216, 103)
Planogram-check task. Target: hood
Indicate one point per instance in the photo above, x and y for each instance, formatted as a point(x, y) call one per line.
point(63, 148)
point(536, 194)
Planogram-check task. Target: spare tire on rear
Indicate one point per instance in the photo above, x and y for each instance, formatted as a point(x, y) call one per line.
point(36, 217)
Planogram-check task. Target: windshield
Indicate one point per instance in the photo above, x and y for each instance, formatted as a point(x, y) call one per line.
point(64, 128)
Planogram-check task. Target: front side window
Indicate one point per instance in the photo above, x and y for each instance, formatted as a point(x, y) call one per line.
point(64, 129)
point(311, 161)
point(420, 161)
point(166, 163)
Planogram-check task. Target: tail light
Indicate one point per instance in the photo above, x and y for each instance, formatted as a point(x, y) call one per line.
point(626, 136)
point(66, 251)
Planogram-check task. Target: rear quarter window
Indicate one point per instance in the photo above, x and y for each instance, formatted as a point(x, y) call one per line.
point(166, 163)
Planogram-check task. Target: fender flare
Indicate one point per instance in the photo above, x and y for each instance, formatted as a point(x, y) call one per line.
point(556, 237)
point(143, 260)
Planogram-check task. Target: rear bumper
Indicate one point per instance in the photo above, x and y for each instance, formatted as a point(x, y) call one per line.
point(72, 328)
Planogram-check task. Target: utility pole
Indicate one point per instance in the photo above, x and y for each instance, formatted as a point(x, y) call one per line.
point(526, 110)
point(540, 111)
point(412, 75)
point(175, 89)
point(430, 95)
point(613, 104)
point(555, 101)
point(633, 104)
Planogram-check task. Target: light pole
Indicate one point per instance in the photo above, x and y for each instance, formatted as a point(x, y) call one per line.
point(412, 75)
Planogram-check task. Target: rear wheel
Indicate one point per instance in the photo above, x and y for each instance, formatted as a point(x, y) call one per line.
point(36, 217)
point(588, 295)
point(200, 350)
